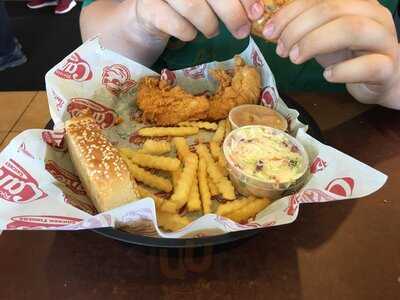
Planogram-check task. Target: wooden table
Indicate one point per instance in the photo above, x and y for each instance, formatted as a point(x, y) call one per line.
point(348, 250)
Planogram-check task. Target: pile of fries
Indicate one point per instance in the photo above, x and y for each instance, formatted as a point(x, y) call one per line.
point(191, 179)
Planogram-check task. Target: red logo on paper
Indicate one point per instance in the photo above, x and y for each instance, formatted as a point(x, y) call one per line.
point(168, 76)
point(318, 165)
point(105, 117)
point(293, 205)
point(69, 179)
point(233, 226)
point(59, 101)
point(268, 97)
point(75, 68)
point(307, 196)
point(55, 139)
point(117, 79)
point(256, 58)
point(136, 139)
point(197, 72)
point(81, 204)
point(17, 185)
point(341, 186)
point(40, 222)
point(22, 149)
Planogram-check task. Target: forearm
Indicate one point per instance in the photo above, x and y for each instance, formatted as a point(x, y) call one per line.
point(115, 22)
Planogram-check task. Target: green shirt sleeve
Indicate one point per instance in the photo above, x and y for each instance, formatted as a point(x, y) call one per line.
point(289, 77)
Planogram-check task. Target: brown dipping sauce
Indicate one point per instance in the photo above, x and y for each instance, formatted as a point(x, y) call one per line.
point(244, 115)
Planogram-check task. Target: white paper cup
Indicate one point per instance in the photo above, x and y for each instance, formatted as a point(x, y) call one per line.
point(246, 183)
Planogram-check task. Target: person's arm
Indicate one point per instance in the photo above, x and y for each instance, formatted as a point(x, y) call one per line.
point(140, 29)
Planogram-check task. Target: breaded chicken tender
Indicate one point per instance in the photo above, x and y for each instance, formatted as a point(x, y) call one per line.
point(163, 104)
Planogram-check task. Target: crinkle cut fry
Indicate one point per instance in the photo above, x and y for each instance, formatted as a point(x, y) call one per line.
point(167, 131)
point(155, 147)
point(223, 184)
point(152, 161)
point(148, 178)
point(203, 186)
point(182, 191)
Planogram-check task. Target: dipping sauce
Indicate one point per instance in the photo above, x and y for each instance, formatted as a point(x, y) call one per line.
point(263, 161)
point(245, 115)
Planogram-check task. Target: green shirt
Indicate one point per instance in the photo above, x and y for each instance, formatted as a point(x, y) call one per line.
point(289, 77)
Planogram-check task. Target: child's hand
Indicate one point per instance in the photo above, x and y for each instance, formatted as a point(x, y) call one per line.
point(183, 18)
point(140, 29)
point(355, 40)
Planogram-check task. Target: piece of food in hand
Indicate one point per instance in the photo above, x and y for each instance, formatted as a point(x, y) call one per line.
point(211, 185)
point(241, 210)
point(270, 7)
point(155, 147)
point(100, 167)
point(154, 181)
point(182, 148)
point(182, 191)
point(200, 125)
point(249, 211)
point(152, 161)
point(244, 87)
point(219, 135)
point(168, 131)
point(265, 162)
point(171, 221)
point(161, 204)
point(249, 114)
point(223, 184)
point(194, 203)
point(163, 104)
point(205, 195)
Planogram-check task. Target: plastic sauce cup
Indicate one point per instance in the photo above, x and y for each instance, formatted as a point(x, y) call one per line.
point(255, 171)
point(251, 114)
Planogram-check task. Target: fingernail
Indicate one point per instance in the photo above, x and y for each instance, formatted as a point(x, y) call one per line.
point(256, 10)
point(294, 53)
point(280, 49)
point(269, 30)
point(213, 35)
point(243, 31)
point(328, 73)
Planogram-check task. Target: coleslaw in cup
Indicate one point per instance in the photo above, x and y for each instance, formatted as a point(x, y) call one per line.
point(265, 162)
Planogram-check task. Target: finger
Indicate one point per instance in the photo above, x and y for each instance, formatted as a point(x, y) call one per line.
point(157, 15)
point(254, 8)
point(371, 68)
point(354, 33)
point(233, 15)
point(284, 16)
point(199, 13)
point(325, 12)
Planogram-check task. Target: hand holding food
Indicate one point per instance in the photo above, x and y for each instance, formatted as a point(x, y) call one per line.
point(140, 29)
point(355, 41)
point(270, 7)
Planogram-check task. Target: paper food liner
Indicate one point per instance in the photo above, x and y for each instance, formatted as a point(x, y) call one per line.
point(39, 188)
